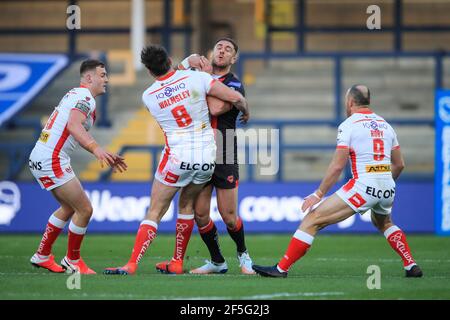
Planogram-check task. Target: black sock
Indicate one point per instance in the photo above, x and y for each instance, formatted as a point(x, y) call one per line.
point(211, 239)
point(238, 236)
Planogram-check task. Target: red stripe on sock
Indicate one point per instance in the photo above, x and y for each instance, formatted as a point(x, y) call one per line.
point(183, 234)
point(295, 251)
point(144, 237)
point(397, 241)
point(49, 237)
point(206, 228)
point(238, 225)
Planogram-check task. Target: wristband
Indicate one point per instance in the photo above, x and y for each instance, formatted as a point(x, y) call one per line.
point(92, 146)
point(318, 193)
point(185, 62)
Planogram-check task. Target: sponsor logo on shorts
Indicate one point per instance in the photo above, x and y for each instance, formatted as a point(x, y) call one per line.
point(197, 166)
point(171, 177)
point(357, 200)
point(230, 179)
point(35, 165)
point(377, 193)
point(378, 168)
point(44, 136)
point(69, 170)
point(47, 181)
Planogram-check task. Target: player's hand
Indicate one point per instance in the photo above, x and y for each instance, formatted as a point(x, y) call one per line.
point(104, 156)
point(310, 201)
point(120, 164)
point(244, 118)
point(201, 63)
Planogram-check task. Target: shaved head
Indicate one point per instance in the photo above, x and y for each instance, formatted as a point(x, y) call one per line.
point(360, 94)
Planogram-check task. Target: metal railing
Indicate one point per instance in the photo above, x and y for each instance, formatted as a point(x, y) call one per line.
point(302, 29)
point(338, 73)
point(337, 112)
point(283, 148)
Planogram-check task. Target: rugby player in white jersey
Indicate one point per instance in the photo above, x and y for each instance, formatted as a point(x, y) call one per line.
point(177, 100)
point(226, 173)
point(49, 162)
point(376, 162)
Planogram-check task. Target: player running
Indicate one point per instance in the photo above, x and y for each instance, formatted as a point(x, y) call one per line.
point(376, 161)
point(226, 174)
point(49, 162)
point(177, 100)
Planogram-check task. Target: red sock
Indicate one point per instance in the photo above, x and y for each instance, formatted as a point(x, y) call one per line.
point(300, 243)
point(397, 240)
point(52, 231)
point(49, 237)
point(144, 237)
point(76, 236)
point(185, 224)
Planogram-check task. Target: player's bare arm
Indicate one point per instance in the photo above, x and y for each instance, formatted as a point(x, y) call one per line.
point(397, 163)
point(217, 106)
point(76, 129)
point(221, 91)
point(332, 175)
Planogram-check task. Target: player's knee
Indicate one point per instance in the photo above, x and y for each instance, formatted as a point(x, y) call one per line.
point(381, 222)
point(87, 210)
point(186, 208)
point(314, 221)
point(66, 210)
point(231, 223)
point(200, 217)
point(229, 217)
point(201, 221)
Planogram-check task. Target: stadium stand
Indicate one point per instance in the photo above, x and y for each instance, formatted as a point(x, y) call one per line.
point(300, 86)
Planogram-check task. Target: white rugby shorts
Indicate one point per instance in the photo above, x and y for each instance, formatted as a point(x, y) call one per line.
point(50, 172)
point(363, 194)
point(178, 169)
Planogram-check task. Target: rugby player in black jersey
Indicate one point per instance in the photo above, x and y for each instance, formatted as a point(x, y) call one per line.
point(226, 175)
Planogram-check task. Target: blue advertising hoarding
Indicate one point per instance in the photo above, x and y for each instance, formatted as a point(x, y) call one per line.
point(442, 164)
point(23, 76)
point(264, 207)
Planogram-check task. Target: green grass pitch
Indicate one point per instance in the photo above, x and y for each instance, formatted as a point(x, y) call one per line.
point(334, 268)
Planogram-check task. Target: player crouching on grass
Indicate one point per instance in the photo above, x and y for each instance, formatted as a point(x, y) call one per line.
point(50, 165)
point(376, 159)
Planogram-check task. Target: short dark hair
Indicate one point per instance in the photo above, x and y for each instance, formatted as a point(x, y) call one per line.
point(90, 64)
point(235, 46)
point(156, 59)
point(361, 94)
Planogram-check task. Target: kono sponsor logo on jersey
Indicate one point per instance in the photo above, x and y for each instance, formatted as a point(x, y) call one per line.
point(9, 201)
point(118, 209)
point(168, 91)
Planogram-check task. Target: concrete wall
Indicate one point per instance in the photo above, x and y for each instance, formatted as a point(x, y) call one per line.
point(235, 16)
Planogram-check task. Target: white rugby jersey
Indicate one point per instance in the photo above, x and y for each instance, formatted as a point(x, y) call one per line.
point(178, 103)
point(55, 137)
point(370, 140)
